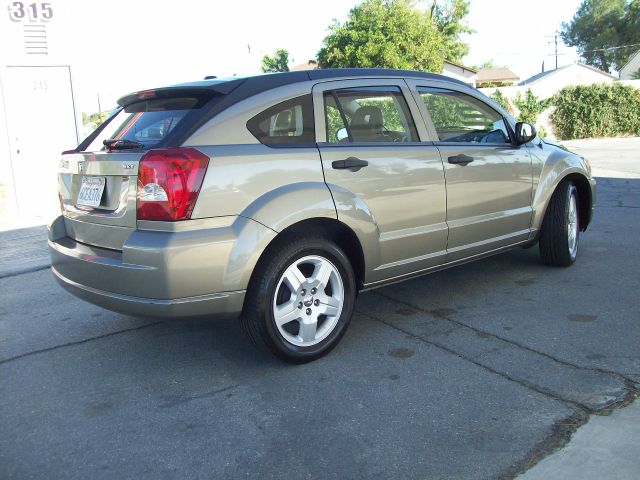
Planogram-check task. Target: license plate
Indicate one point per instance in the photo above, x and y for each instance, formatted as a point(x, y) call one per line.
point(91, 191)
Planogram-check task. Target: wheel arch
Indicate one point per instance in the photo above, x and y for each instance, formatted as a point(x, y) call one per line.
point(331, 229)
point(585, 199)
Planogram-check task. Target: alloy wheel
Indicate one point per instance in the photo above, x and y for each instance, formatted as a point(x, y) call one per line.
point(308, 301)
point(572, 225)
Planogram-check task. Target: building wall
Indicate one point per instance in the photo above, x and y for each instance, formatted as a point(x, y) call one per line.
point(37, 115)
point(454, 71)
point(571, 75)
point(7, 196)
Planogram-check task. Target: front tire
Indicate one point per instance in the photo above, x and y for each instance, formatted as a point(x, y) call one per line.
point(561, 227)
point(300, 299)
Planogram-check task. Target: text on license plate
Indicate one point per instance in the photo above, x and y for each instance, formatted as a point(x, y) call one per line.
point(91, 191)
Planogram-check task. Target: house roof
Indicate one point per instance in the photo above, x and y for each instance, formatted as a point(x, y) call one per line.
point(303, 66)
point(633, 59)
point(472, 70)
point(498, 74)
point(541, 75)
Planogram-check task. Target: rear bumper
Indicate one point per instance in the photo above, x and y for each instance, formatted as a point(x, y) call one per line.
point(193, 272)
point(221, 305)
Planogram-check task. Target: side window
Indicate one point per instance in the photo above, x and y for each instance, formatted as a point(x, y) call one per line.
point(289, 123)
point(368, 114)
point(458, 117)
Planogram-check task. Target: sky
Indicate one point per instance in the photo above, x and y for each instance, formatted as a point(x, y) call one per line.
point(118, 46)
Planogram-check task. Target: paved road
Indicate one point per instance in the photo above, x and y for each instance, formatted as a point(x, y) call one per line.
point(472, 373)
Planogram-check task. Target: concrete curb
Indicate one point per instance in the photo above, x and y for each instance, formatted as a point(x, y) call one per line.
point(605, 447)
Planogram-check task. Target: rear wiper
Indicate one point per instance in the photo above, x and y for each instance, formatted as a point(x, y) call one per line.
point(119, 144)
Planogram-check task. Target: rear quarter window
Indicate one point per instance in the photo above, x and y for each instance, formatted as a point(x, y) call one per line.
point(287, 124)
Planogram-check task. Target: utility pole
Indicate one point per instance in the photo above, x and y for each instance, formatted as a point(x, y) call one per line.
point(99, 109)
point(555, 46)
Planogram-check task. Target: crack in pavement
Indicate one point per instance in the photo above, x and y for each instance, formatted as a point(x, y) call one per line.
point(561, 433)
point(563, 429)
point(77, 342)
point(171, 401)
point(511, 342)
point(522, 383)
point(25, 271)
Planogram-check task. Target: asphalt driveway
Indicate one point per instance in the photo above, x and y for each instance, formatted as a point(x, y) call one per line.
point(472, 373)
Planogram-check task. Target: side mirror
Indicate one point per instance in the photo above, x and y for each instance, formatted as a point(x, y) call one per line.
point(525, 132)
point(342, 134)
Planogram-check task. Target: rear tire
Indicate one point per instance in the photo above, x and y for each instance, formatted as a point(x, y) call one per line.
point(561, 227)
point(300, 299)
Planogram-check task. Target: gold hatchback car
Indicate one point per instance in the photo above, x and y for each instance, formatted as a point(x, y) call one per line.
point(277, 198)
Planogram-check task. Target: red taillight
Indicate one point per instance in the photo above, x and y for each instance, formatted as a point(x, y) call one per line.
point(169, 181)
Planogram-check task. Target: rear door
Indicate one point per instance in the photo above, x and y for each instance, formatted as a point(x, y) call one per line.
point(373, 159)
point(489, 179)
point(98, 185)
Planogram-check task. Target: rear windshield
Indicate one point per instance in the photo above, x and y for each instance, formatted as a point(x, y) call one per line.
point(147, 122)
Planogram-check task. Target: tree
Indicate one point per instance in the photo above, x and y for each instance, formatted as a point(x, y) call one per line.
point(485, 64)
point(530, 106)
point(602, 30)
point(449, 16)
point(502, 100)
point(278, 63)
point(95, 118)
point(385, 34)
point(636, 75)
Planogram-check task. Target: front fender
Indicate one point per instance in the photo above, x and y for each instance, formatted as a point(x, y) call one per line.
point(558, 166)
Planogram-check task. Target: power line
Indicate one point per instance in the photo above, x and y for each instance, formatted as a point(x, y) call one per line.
point(610, 48)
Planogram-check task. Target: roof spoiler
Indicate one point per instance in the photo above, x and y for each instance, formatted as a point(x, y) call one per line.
point(218, 88)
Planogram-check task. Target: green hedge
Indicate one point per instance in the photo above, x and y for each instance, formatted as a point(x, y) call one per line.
point(598, 110)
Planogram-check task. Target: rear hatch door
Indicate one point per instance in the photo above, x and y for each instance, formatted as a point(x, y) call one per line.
point(98, 181)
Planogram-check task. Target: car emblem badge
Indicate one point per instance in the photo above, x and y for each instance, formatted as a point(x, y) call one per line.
point(308, 300)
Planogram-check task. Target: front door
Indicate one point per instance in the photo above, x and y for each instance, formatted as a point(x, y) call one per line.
point(376, 167)
point(489, 179)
